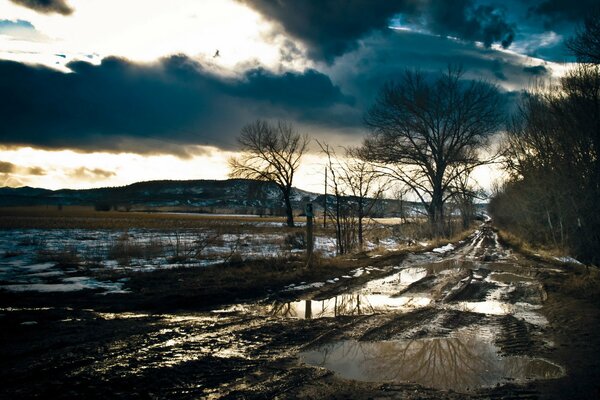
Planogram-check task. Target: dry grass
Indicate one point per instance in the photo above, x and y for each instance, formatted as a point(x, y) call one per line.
point(582, 282)
point(546, 254)
point(64, 257)
point(71, 217)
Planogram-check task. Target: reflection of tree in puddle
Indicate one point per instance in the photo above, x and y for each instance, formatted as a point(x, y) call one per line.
point(459, 363)
point(346, 304)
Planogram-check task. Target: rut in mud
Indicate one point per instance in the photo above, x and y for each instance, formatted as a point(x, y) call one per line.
point(462, 322)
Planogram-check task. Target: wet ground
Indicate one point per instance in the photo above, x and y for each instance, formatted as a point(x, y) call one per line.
point(474, 320)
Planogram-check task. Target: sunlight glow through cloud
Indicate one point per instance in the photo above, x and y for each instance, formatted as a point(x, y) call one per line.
point(145, 31)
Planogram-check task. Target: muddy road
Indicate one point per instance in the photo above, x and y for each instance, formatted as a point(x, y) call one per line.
point(475, 320)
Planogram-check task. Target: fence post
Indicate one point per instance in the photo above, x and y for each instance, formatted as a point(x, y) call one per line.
point(309, 233)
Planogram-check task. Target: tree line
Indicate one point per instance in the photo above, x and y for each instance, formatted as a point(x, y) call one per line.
point(552, 157)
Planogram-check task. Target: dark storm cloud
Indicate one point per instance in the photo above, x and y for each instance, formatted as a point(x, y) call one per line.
point(119, 105)
point(331, 28)
point(46, 6)
point(385, 57)
point(562, 11)
point(466, 20)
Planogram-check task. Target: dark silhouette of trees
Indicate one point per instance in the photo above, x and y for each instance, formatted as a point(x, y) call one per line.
point(586, 43)
point(270, 152)
point(553, 156)
point(427, 132)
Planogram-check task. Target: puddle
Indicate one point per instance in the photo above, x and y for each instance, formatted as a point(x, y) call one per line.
point(508, 278)
point(349, 304)
point(465, 362)
point(377, 296)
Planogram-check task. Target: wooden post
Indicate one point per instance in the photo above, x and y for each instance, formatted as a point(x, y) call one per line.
point(325, 202)
point(309, 234)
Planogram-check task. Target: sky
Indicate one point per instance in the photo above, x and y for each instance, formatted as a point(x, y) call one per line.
point(110, 92)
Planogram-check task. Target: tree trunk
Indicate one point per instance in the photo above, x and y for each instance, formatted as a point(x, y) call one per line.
point(289, 212)
point(436, 211)
point(360, 225)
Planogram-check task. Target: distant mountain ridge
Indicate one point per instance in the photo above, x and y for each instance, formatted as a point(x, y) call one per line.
point(211, 196)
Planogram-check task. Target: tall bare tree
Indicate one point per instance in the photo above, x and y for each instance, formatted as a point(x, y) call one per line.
point(271, 152)
point(427, 132)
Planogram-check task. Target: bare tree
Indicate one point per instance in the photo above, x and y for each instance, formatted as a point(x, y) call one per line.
point(271, 153)
point(341, 211)
point(356, 188)
point(586, 43)
point(364, 184)
point(426, 133)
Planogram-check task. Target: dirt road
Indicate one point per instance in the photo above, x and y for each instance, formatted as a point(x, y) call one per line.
point(475, 320)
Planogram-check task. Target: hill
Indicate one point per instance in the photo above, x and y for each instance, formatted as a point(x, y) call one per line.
point(211, 196)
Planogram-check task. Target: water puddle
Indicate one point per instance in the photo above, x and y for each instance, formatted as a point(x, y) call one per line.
point(376, 296)
point(348, 304)
point(465, 362)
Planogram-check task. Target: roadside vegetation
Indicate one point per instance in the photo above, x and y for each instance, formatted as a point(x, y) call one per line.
point(552, 157)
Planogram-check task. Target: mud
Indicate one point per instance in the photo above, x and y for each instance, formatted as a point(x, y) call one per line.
point(478, 322)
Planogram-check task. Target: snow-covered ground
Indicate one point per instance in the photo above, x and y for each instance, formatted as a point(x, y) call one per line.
point(59, 260)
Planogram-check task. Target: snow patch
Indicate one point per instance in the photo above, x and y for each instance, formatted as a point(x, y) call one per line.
point(444, 249)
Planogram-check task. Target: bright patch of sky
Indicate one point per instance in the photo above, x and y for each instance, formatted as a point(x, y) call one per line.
point(140, 31)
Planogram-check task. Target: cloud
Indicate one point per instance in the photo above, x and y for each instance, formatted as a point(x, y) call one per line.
point(37, 171)
point(6, 167)
point(330, 28)
point(88, 174)
point(7, 25)
point(158, 107)
point(465, 20)
point(537, 70)
point(46, 6)
point(21, 29)
point(562, 11)
point(380, 58)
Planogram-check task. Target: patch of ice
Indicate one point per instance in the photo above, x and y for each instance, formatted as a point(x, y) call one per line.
point(314, 285)
point(39, 267)
point(358, 272)
point(568, 259)
point(72, 284)
point(444, 249)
